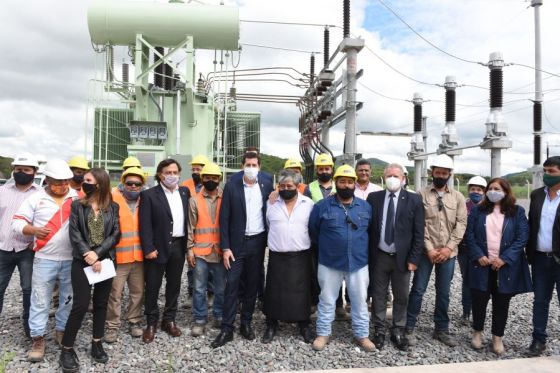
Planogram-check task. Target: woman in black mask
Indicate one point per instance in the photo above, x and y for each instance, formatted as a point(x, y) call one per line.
point(94, 232)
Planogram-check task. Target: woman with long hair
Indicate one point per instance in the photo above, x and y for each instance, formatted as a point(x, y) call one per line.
point(497, 232)
point(94, 232)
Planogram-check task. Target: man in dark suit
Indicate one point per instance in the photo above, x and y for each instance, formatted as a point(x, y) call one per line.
point(396, 244)
point(163, 216)
point(243, 241)
point(543, 249)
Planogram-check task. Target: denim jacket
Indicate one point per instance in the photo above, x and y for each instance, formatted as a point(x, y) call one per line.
point(341, 233)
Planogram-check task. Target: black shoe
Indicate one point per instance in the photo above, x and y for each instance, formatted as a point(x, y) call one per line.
point(247, 332)
point(69, 360)
point(307, 334)
point(536, 348)
point(269, 334)
point(400, 341)
point(98, 353)
point(26, 329)
point(378, 340)
point(222, 338)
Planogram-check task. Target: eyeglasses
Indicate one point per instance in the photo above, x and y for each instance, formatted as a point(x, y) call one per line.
point(440, 203)
point(133, 184)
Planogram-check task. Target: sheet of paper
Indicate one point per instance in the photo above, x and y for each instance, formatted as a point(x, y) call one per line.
point(107, 271)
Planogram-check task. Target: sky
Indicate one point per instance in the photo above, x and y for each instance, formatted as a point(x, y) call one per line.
point(48, 64)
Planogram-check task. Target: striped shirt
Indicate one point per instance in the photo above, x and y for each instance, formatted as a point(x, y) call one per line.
point(11, 199)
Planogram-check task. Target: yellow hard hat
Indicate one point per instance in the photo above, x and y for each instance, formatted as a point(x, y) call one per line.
point(200, 159)
point(131, 162)
point(324, 159)
point(133, 171)
point(293, 163)
point(346, 171)
point(78, 162)
point(211, 169)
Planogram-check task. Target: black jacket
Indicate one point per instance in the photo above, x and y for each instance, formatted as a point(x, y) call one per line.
point(409, 227)
point(79, 232)
point(535, 209)
point(156, 221)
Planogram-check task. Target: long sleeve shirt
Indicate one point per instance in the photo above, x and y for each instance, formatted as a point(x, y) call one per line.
point(11, 199)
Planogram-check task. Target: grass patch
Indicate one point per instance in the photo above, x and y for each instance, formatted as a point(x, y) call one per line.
point(7, 357)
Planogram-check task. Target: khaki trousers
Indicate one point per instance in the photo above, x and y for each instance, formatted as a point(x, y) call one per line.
point(133, 275)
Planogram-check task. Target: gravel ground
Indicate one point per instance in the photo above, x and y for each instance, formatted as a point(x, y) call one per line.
point(286, 352)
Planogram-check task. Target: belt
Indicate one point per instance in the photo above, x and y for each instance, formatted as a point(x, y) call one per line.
point(386, 253)
point(547, 254)
point(173, 239)
point(247, 238)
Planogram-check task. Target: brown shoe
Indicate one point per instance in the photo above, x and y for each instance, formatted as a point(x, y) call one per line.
point(37, 352)
point(320, 342)
point(58, 335)
point(366, 344)
point(149, 334)
point(170, 328)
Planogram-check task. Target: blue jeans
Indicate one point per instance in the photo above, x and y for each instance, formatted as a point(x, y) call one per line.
point(463, 260)
point(330, 281)
point(45, 274)
point(444, 276)
point(201, 272)
point(24, 262)
point(546, 274)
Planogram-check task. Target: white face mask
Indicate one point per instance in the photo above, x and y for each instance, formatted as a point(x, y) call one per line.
point(495, 195)
point(171, 181)
point(393, 183)
point(251, 172)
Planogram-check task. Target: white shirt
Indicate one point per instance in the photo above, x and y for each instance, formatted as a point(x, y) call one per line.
point(253, 203)
point(177, 211)
point(288, 233)
point(548, 214)
point(363, 193)
point(382, 244)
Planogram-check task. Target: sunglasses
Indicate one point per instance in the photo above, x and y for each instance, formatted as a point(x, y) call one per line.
point(440, 203)
point(133, 184)
point(349, 221)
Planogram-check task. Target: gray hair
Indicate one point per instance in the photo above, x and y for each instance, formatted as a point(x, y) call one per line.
point(394, 165)
point(289, 175)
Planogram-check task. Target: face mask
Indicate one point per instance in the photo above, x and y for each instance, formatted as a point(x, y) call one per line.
point(131, 195)
point(89, 189)
point(439, 182)
point(495, 196)
point(476, 197)
point(550, 180)
point(345, 193)
point(287, 194)
point(210, 185)
point(21, 178)
point(251, 172)
point(324, 177)
point(78, 179)
point(393, 183)
point(196, 178)
point(171, 181)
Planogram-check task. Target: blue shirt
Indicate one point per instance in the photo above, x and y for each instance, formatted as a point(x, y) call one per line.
point(548, 214)
point(342, 242)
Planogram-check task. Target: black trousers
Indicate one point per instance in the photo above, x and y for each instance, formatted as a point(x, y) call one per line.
point(247, 268)
point(154, 272)
point(82, 295)
point(500, 306)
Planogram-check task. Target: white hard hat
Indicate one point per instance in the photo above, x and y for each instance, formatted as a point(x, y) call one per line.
point(477, 180)
point(58, 169)
point(443, 161)
point(25, 159)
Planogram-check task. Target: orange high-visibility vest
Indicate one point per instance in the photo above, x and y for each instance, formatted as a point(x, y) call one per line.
point(128, 249)
point(206, 231)
point(189, 183)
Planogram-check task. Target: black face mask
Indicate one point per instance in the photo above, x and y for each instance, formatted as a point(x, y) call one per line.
point(287, 194)
point(324, 177)
point(89, 189)
point(439, 182)
point(197, 179)
point(345, 193)
point(78, 179)
point(210, 185)
point(21, 178)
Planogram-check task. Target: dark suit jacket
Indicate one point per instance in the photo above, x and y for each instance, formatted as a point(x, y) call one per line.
point(156, 221)
point(409, 227)
point(535, 208)
point(233, 211)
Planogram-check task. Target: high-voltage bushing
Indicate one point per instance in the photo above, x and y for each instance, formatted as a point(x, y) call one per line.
point(537, 169)
point(312, 69)
point(537, 128)
point(159, 70)
point(346, 18)
point(449, 137)
point(326, 45)
point(200, 90)
point(125, 72)
point(417, 148)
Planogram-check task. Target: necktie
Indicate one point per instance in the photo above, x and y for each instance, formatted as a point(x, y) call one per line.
point(390, 221)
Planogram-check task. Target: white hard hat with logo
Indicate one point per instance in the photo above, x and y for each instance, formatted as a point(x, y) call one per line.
point(477, 180)
point(25, 159)
point(443, 161)
point(58, 169)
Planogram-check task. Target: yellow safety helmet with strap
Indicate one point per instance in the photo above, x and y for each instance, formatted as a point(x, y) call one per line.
point(137, 171)
point(211, 169)
point(200, 159)
point(78, 162)
point(131, 162)
point(346, 171)
point(293, 163)
point(324, 159)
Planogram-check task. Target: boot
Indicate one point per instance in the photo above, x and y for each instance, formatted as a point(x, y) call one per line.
point(69, 360)
point(476, 341)
point(37, 352)
point(320, 342)
point(98, 353)
point(497, 345)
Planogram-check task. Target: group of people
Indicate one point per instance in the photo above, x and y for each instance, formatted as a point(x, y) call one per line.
point(339, 229)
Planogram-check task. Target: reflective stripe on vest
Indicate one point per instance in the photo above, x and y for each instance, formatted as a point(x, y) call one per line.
point(128, 249)
point(316, 193)
point(206, 231)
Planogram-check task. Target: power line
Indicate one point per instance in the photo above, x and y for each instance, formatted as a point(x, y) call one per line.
point(279, 48)
point(289, 23)
point(381, 94)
